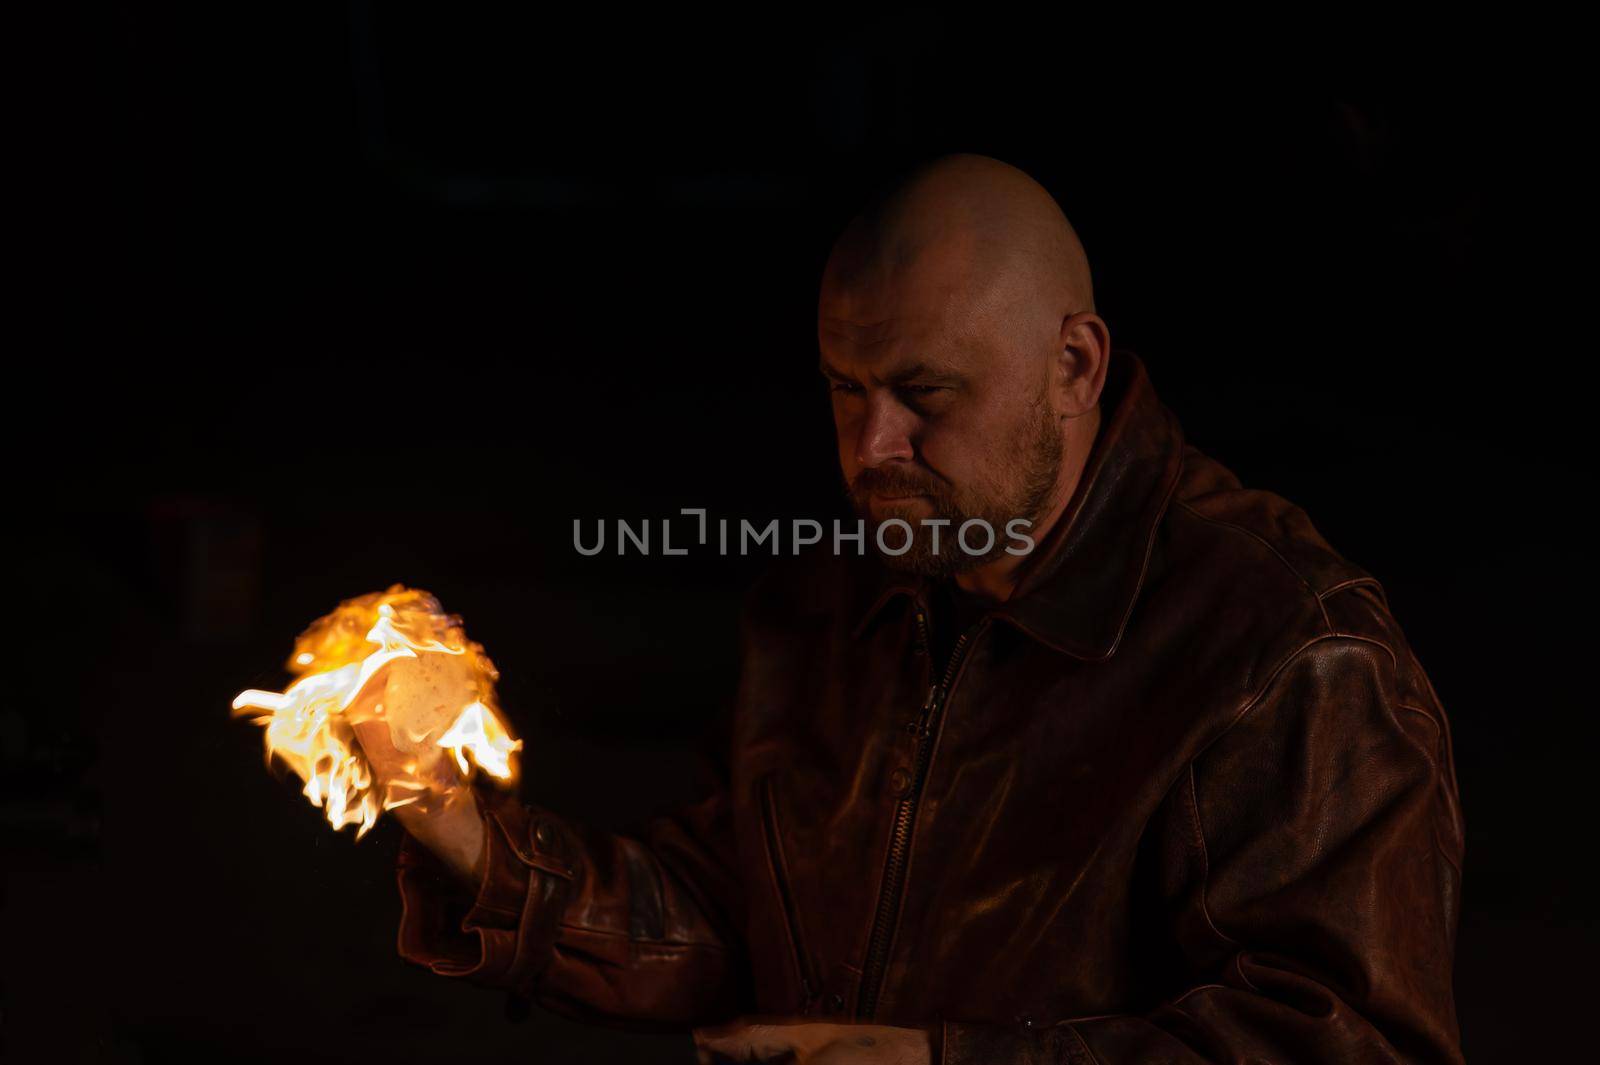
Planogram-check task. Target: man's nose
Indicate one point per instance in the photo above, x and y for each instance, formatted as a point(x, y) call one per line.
point(885, 432)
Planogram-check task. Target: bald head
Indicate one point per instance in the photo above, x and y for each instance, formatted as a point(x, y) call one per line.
point(967, 225)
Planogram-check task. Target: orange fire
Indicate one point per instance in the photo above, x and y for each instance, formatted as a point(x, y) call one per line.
point(426, 661)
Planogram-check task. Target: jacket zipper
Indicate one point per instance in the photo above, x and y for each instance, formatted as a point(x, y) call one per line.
point(769, 815)
point(905, 812)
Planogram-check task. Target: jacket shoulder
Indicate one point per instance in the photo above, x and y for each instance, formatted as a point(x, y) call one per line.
point(1261, 528)
point(1258, 548)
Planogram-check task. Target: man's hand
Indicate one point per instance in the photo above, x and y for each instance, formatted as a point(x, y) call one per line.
point(755, 1039)
point(396, 720)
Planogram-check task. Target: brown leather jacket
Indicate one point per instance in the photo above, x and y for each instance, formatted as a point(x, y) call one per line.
point(1187, 796)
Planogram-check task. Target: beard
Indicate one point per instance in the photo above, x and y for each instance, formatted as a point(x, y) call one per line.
point(1022, 475)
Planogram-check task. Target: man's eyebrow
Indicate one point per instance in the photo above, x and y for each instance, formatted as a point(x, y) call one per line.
point(926, 373)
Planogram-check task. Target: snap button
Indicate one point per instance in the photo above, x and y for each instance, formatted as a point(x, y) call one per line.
point(542, 835)
point(837, 1002)
point(899, 781)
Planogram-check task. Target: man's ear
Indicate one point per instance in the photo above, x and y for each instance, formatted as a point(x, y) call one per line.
point(1084, 350)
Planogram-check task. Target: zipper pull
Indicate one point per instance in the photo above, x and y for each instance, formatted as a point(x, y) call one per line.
point(919, 727)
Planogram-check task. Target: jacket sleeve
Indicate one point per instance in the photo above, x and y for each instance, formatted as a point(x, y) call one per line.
point(1312, 859)
point(634, 930)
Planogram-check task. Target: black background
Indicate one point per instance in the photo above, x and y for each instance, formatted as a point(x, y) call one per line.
point(338, 298)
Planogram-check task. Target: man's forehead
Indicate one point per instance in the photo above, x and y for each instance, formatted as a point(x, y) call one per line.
point(880, 340)
point(927, 327)
point(855, 333)
point(890, 350)
point(924, 303)
point(870, 315)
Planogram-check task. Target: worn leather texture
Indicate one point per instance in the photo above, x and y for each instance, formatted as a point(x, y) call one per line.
point(1188, 796)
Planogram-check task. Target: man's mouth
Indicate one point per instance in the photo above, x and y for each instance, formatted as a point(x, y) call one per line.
point(886, 506)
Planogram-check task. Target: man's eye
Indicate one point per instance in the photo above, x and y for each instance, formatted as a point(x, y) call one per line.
point(848, 387)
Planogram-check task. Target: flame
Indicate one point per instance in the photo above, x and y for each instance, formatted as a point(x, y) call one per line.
point(310, 725)
point(478, 731)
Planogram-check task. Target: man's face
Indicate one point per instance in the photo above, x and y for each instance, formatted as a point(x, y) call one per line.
point(941, 405)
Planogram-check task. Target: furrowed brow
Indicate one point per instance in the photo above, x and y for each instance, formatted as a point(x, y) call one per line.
point(920, 373)
point(926, 374)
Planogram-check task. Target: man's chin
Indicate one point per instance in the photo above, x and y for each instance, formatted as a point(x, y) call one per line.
point(919, 558)
point(924, 563)
point(918, 564)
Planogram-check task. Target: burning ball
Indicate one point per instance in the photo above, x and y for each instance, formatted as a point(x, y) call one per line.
point(398, 659)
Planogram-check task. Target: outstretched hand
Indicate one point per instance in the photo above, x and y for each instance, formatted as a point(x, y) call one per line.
point(397, 717)
point(804, 1043)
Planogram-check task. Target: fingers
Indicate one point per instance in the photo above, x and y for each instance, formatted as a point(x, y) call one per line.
point(763, 1040)
point(744, 1043)
point(808, 1043)
point(716, 1057)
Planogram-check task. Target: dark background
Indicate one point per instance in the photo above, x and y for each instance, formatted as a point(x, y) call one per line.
point(333, 299)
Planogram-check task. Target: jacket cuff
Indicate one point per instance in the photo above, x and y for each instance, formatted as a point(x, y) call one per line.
point(503, 933)
point(1010, 1044)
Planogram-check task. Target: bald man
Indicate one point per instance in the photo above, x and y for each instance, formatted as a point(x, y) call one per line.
point(1166, 785)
